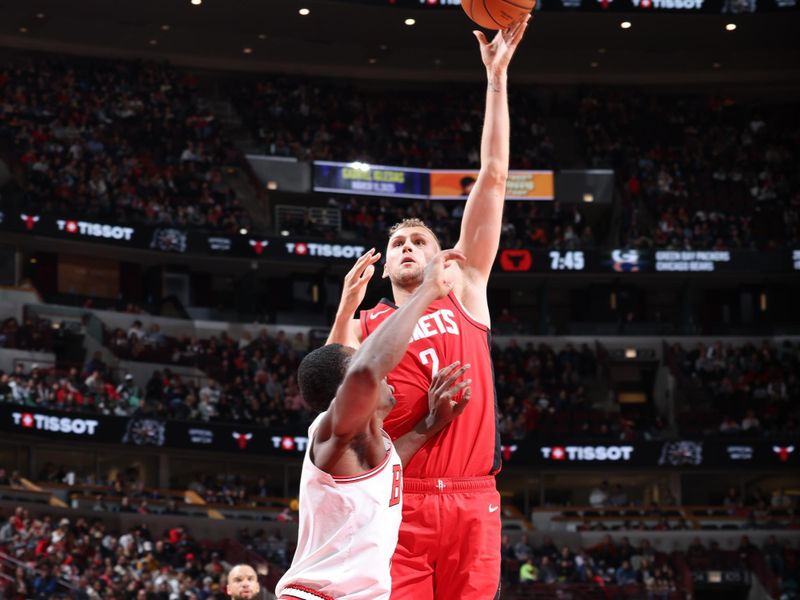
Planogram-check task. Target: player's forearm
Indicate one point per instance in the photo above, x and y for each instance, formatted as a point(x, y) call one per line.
point(496, 127)
point(408, 445)
point(342, 331)
point(382, 350)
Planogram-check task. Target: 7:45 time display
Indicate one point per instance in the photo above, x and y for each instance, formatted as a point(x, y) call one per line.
point(570, 260)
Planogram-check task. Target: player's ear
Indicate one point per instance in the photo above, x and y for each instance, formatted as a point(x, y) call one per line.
point(385, 273)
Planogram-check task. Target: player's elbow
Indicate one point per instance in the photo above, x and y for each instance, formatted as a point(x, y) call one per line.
point(363, 375)
point(495, 172)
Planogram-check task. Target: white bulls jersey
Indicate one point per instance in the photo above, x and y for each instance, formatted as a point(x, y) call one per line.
point(348, 531)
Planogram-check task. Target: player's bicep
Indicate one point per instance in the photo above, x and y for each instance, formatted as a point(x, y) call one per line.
point(482, 223)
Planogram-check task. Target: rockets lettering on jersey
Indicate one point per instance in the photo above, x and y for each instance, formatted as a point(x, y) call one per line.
point(437, 323)
point(470, 445)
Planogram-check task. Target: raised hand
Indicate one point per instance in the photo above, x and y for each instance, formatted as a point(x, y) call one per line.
point(444, 403)
point(497, 54)
point(355, 282)
point(440, 272)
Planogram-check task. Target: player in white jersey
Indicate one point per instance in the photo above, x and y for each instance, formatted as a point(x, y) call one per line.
point(351, 483)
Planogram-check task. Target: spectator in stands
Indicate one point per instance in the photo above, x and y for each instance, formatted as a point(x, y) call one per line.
point(528, 573)
point(625, 574)
point(522, 549)
point(599, 496)
point(242, 583)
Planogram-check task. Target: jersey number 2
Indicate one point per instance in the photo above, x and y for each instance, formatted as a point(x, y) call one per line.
point(397, 476)
point(429, 357)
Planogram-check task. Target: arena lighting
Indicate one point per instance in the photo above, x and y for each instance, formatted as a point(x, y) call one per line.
point(359, 166)
point(594, 65)
point(40, 15)
point(730, 27)
point(589, 197)
point(165, 28)
point(23, 30)
point(247, 50)
point(153, 42)
point(410, 22)
point(272, 184)
point(625, 25)
point(284, 232)
point(630, 353)
point(304, 12)
point(243, 231)
point(196, 2)
point(716, 65)
point(601, 50)
point(372, 61)
point(262, 36)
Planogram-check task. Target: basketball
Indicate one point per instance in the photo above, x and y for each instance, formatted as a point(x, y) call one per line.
point(496, 14)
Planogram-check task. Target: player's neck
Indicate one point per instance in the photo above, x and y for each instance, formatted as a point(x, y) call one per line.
point(403, 294)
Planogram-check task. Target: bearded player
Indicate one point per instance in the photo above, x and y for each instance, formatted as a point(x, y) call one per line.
point(449, 542)
point(351, 481)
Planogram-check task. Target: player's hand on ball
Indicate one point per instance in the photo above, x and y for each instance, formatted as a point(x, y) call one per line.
point(497, 54)
point(447, 397)
point(440, 273)
point(355, 282)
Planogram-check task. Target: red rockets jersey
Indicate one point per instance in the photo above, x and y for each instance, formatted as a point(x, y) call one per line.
point(470, 445)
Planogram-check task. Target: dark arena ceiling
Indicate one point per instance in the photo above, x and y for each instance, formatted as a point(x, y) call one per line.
point(370, 40)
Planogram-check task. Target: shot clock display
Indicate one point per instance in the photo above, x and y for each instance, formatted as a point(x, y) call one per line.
point(571, 260)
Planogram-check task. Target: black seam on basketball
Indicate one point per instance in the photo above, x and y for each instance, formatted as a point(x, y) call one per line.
point(519, 5)
point(486, 8)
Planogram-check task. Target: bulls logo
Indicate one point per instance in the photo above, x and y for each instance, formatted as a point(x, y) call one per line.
point(301, 249)
point(783, 452)
point(242, 439)
point(27, 420)
point(259, 245)
point(30, 221)
point(508, 451)
point(516, 260)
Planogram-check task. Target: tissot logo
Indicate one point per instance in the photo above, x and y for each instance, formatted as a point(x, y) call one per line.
point(242, 439)
point(100, 230)
point(325, 250)
point(783, 452)
point(55, 424)
point(516, 260)
point(587, 453)
point(290, 443)
point(259, 245)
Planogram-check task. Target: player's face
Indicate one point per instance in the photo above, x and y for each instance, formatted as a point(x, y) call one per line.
point(387, 400)
point(242, 583)
point(409, 250)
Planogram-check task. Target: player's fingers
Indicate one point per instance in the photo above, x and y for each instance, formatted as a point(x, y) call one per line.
point(438, 380)
point(456, 389)
point(519, 33)
point(481, 38)
point(367, 274)
point(456, 375)
point(459, 407)
point(359, 264)
point(452, 254)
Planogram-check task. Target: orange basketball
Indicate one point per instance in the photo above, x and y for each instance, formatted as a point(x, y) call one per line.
point(496, 14)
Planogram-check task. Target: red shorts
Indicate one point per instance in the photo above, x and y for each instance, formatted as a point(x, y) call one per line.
point(449, 543)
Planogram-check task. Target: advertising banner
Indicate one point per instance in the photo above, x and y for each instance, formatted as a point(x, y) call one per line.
point(521, 185)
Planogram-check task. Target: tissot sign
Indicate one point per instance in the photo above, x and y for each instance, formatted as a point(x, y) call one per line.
point(149, 431)
point(671, 454)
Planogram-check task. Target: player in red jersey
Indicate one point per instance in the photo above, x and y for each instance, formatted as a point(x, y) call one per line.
point(449, 543)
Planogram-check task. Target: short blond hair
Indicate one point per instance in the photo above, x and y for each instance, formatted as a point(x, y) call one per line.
point(414, 222)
